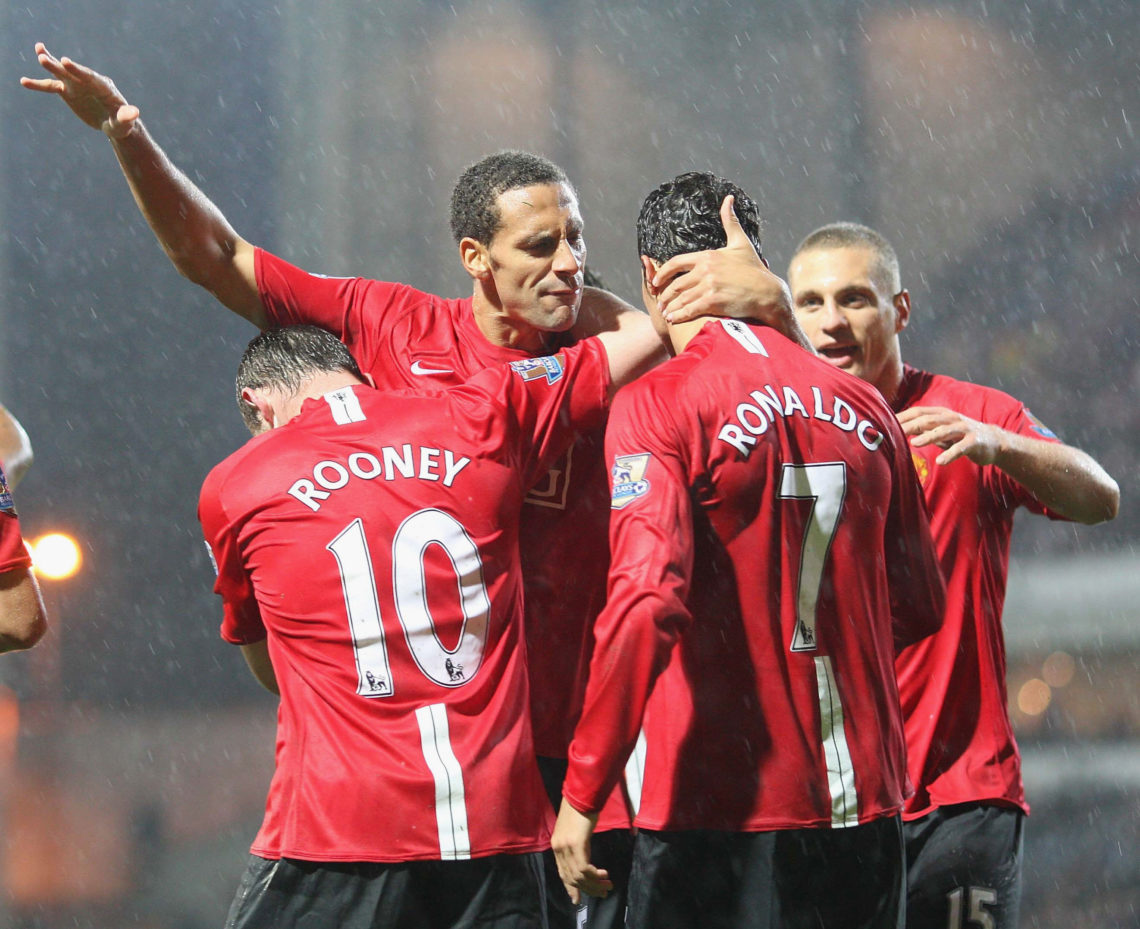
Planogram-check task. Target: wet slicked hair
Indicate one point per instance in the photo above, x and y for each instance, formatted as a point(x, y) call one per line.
point(284, 358)
point(855, 235)
point(683, 215)
point(475, 199)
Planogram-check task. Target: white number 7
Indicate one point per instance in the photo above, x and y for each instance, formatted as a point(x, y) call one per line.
point(826, 486)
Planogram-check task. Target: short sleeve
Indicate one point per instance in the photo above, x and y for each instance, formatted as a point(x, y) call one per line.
point(241, 620)
point(13, 552)
point(1014, 416)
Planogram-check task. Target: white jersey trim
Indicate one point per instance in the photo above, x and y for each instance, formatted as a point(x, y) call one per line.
point(840, 770)
point(635, 772)
point(345, 406)
point(450, 796)
point(744, 336)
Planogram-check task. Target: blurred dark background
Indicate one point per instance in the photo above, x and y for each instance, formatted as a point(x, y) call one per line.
point(994, 144)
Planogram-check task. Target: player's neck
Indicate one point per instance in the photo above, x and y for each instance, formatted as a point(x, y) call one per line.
point(890, 382)
point(500, 329)
point(313, 389)
point(681, 334)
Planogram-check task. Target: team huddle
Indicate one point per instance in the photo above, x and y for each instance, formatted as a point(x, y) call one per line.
point(583, 616)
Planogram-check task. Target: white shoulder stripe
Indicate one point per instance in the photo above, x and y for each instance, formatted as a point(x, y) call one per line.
point(345, 406)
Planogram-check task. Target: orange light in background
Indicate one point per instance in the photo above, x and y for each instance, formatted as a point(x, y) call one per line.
point(1034, 697)
point(56, 556)
point(1058, 669)
point(9, 727)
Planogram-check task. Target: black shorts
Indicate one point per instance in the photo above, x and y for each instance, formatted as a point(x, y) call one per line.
point(787, 879)
point(497, 892)
point(964, 867)
point(612, 850)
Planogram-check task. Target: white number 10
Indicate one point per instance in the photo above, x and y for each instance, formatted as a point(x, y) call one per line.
point(446, 667)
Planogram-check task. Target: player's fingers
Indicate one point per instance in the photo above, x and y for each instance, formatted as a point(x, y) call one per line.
point(595, 881)
point(954, 452)
point(671, 288)
point(915, 412)
point(687, 310)
point(127, 113)
point(676, 265)
point(934, 435)
point(45, 84)
point(733, 232)
point(42, 53)
point(75, 69)
point(51, 65)
point(915, 426)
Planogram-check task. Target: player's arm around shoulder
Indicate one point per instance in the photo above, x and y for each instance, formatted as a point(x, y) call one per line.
point(1067, 480)
point(632, 345)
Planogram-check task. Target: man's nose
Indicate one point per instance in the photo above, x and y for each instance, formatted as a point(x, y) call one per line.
point(832, 316)
point(565, 260)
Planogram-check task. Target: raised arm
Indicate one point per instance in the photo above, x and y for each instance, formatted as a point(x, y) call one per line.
point(730, 282)
point(191, 229)
point(1065, 479)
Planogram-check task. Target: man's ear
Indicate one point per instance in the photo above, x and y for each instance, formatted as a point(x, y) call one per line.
point(648, 269)
point(261, 403)
point(369, 379)
point(476, 260)
point(901, 301)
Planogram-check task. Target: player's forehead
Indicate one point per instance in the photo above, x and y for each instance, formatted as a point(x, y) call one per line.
point(829, 269)
point(524, 210)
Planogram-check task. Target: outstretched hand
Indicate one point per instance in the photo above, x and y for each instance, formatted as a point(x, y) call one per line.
point(958, 434)
point(732, 281)
point(92, 96)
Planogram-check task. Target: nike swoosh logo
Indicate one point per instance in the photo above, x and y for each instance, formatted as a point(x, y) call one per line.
point(418, 368)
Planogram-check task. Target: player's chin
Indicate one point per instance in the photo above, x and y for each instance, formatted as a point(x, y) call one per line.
point(560, 318)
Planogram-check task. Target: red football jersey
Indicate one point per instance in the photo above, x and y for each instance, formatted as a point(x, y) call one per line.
point(770, 549)
point(406, 338)
point(952, 685)
point(13, 552)
point(374, 537)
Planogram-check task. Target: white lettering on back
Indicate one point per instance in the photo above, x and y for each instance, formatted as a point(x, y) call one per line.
point(753, 419)
point(393, 463)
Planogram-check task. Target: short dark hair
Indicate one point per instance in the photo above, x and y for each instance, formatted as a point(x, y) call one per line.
point(475, 199)
point(683, 215)
point(284, 358)
point(856, 235)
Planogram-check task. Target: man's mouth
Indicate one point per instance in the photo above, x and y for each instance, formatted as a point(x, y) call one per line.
point(838, 354)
